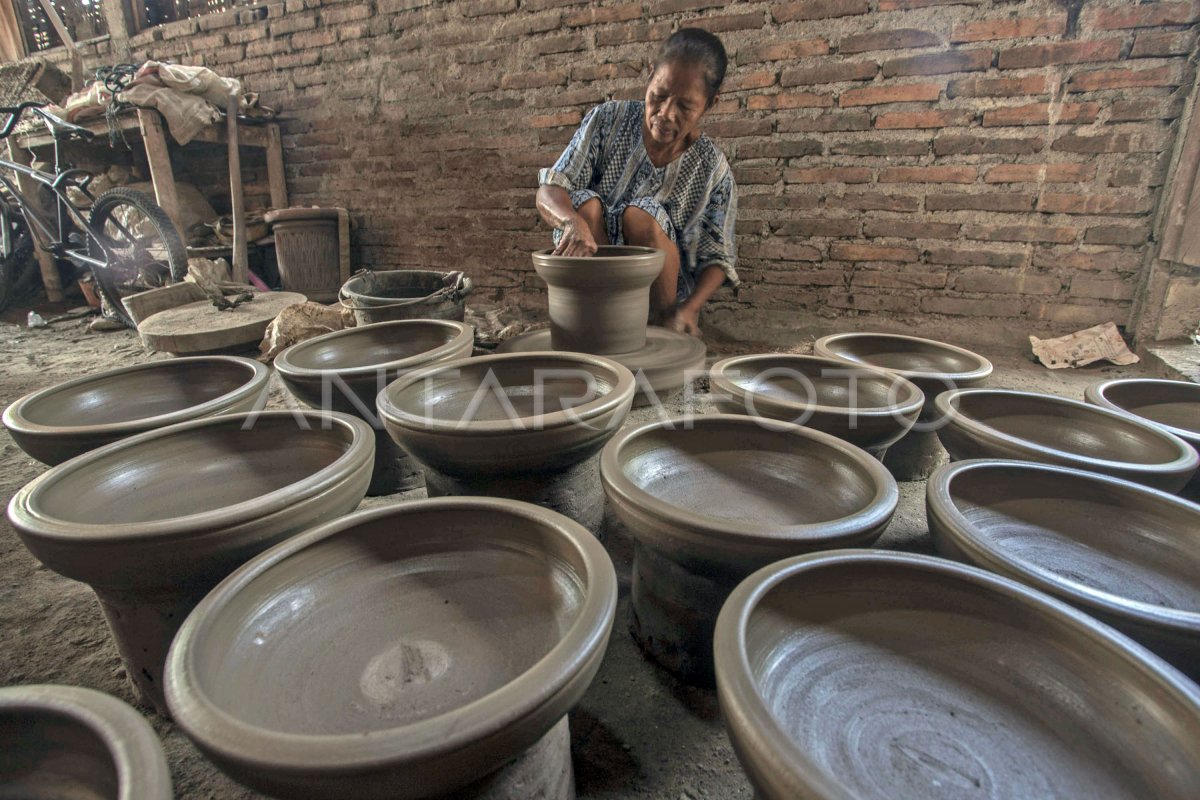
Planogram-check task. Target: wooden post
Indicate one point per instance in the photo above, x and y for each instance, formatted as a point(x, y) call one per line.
point(241, 260)
point(160, 165)
point(49, 269)
point(61, 29)
point(275, 176)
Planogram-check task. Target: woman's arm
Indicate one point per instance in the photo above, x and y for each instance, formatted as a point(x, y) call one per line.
point(554, 204)
point(686, 316)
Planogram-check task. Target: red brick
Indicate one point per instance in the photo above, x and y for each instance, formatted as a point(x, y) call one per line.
point(555, 120)
point(777, 202)
point(873, 201)
point(763, 176)
point(1041, 114)
point(899, 39)
point(735, 128)
point(1021, 233)
point(987, 30)
point(812, 277)
point(871, 252)
point(483, 8)
point(958, 256)
point(898, 120)
point(1103, 143)
point(879, 95)
point(1041, 173)
point(729, 22)
point(597, 16)
point(782, 250)
point(907, 229)
point(898, 280)
point(819, 9)
point(888, 148)
point(1125, 78)
point(525, 24)
point(860, 301)
point(1131, 235)
point(1057, 203)
point(905, 5)
point(1145, 108)
point(939, 63)
point(984, 281)
point(759, 79)
point(1105, 261)
point(628, 34)
point(780, 148)
point(1044, 55)
point(1100, 288)
point(927, 175)
point(967, 307)
point(826, 122)
point(987, 201)
point(608, 71)
point(829, 73)
point(1154, 44)
point(782, 51)
point(567, 43)
point(828, 175)
point(836, 228)
point(960, 145)
point(788, 100)
point(1148, 15)
point(533, 80)
point(662, 7)
point(996, 87)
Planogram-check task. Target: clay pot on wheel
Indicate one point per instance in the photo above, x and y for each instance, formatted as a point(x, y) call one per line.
point(866, 674)
point(710, 499)
point(153, 522)
point(933, 366)
point(600, 304)
point(66, 741)
point(345, 370)
point(62, 421)
point(428, 649)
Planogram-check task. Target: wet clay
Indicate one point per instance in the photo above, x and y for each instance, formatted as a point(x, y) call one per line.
point(62, 421)
point(875, 675)
point(664, 365)
point(599, 304)
point(69, 742)
point(866, 407)
point(711, 499)
point(997, 423)
point(154, 521)
point(1138, 571)
point(429, 644)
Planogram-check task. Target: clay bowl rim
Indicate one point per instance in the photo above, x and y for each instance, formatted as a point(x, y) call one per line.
point(462, 339)
point(737, 689)
point(1096, 395)
point(536, 687)
point(985, 554)
point(640, 257)
point(624, 385)
point(949, 411)
point(718, 374)
point(36, 523)
point(136, 752)
point(15, 420)
point(983, 371)
point(612, 475)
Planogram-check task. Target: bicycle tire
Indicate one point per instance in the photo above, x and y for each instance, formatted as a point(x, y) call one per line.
point(168, 235)
point(16, 268)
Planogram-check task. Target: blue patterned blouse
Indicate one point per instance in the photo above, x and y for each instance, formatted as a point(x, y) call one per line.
point(693, 198)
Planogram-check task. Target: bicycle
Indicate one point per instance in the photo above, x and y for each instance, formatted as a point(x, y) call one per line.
point(122, 235)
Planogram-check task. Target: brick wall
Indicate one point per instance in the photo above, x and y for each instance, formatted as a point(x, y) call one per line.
point(911, 162)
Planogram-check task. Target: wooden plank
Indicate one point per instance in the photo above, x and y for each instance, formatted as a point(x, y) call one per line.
point(51, 281)
point(344, 244)
point(146, 304)
point(275, 174)
point(241, 260)
point(160, 165)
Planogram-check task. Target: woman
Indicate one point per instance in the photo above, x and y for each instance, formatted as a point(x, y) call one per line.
point(641, 173)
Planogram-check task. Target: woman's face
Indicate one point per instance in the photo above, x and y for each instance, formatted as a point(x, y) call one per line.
point(676, 99)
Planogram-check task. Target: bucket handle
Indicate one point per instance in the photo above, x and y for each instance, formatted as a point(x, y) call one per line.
point(455, 286)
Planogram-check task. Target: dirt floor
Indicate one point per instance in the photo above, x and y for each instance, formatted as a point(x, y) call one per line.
point(637, 732)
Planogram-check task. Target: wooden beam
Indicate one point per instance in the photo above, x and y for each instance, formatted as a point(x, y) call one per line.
point(241, 261)
point(275, 175)
point(51, 281)
point(61, 29)
point(160, 166)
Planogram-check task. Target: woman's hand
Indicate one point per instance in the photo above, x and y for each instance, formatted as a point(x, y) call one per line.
point(577, 239)
point(684, 319)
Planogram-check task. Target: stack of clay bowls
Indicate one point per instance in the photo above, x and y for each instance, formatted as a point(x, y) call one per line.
point(1026, 426)
point(867, 407)
point(62, 421)
point(865, 674)
point(519, 425)
point(345, 371)
point(933, 366)
point(423, 650)
point(154, 521)
point(599, 305)
point(66, 742)
point(710, 499)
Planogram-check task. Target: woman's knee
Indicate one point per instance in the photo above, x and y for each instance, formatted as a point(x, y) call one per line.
point(640, 226)
point(592, 210)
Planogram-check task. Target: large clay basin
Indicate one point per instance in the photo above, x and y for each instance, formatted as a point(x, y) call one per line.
point(863, 674)
point(599, 304)
point(346, 370)
point(61, 742)
point(154, 521)
point(62, 421)
point(1126, 554)
point(402, 652)
point(867, 407)
point(1026, 426)
point(712, 498)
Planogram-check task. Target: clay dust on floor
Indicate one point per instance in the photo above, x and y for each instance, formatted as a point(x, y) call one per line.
point(637, 732)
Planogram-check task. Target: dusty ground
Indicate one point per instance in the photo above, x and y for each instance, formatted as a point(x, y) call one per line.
point(637, 733)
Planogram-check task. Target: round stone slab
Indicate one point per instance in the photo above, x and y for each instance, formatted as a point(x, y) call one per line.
point(659, 368)
point(200, 327)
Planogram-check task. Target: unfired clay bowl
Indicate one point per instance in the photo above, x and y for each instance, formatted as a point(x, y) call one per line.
point(999, 423)
point(154, 521)
point(867, 407)
point(863, 674)
point(1126, 554)
point(600, 304)
point(710, 499)
point(401, 652)
point(508, 413)
point(62, 421)
point(59, 742)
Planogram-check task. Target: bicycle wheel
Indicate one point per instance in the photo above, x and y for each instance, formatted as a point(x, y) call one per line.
point(16, 262)
point(143, 243)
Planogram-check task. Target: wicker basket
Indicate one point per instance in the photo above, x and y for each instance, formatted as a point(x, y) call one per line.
point(307, 248)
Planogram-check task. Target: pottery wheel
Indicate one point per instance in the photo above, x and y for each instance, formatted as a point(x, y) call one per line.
point(200, 328)
point(663, 362)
